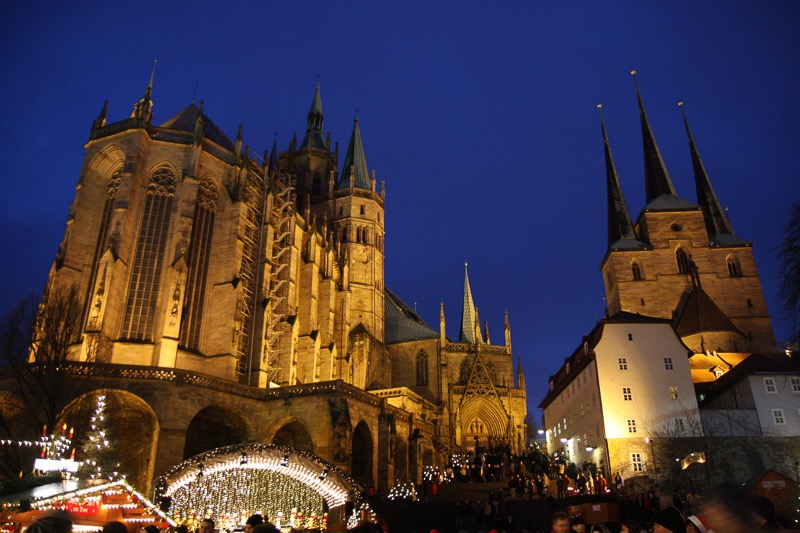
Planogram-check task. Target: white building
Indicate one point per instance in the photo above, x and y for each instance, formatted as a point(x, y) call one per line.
point(627, 386)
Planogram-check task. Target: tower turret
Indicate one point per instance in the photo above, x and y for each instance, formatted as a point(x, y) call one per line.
point(315, 137)
point(470, 327)
point(354, 169)
point(520, 375)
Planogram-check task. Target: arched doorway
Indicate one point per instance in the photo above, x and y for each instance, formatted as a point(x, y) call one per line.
point(294, 435)
point(214, 427)
point(130, 424)
point(361, 458)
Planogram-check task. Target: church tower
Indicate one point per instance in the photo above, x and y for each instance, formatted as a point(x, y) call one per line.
point(681, 260)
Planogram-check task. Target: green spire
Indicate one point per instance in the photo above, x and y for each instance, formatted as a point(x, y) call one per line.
point(469, 315)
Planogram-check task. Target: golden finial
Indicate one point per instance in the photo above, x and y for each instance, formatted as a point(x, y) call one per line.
point(599, 106)
point(680, 104)
point(633, 73)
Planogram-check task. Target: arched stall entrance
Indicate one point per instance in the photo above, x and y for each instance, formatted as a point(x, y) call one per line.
point(284, 484)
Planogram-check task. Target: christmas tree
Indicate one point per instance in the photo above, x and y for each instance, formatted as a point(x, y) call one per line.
point(98, 452)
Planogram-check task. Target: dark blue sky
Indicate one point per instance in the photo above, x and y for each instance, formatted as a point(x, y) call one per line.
point(480, 116)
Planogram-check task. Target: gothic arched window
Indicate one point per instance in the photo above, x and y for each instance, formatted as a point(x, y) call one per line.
point(148, 260)
point(636, 271)
point(422, 368)
point(101, 245)
point(683, 261)
point(197, 258)
point(734, 269)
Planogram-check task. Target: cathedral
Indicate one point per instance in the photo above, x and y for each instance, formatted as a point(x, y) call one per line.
point(230, 297)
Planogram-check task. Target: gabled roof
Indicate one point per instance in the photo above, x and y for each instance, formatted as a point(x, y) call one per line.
point(401, 323)
point(756, 363)
point(186, 120)
point(699, 313)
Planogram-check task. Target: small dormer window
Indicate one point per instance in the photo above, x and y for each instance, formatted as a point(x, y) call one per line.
point(718, 372)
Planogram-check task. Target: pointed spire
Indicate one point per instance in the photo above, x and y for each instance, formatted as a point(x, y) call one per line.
point(657, 180)
point(273, 156)
point(237, 150)
point(144, 109)
point(354, 171)
point(507, 328)
point(716, 221)
point(486, 332)
point(469, 315)
point(442, 325)
point(520, 375)
point(620, 224)
point(314, 133)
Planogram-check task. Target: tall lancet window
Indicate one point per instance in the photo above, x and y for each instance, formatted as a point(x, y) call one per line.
point(422, 368)
point(198, 257)
point(148, 260)
point(101, 245)
point(683, 261)
point(636, 270)
point(734, 269)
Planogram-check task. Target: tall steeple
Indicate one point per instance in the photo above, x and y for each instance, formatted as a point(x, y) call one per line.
point(314, 132)
point(621, 232)
point(718, 225)
point(274, 156)
point(354, 170)
point(469, 315)
point(143, 109)
point(657, 180)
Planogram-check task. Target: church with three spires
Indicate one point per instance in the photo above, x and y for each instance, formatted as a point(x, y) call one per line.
point(232, 297)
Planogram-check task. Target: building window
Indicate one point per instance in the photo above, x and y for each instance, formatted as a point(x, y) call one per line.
point(148, 260)
point(636, 271)
point(636, 462)
point(197, 258)
point(630, 336)
point(362, 210)
point(750, 303)
point(673, 393)
point(734, 270)
point(626, 394)
point(631, 426)
point(778, 418)
point(623, 363)
point(718, 373)
point(683, 261)
point(668, 363)
point(769, 385)
point(422, 368)
point(795, 384)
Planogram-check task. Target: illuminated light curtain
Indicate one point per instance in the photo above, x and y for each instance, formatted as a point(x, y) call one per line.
point(101, 244)
point(148, 260)
point(198, 257)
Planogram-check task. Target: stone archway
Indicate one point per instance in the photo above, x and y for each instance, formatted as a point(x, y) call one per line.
point(214, 427)
point(361, 457)
point(131, 426)
point(294, 435)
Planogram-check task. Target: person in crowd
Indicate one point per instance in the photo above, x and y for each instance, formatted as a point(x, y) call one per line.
point(115, 527)
point(252, 522)
point(727, 508)
point(265, 527)
point(54, 522)
point(578, 525)
point(559, 523)
point(669, 520)
point(207, 525)
point(764, 515)
point(631, 526)
point(697, 524)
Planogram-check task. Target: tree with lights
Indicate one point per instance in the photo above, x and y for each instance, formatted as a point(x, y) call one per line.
point(98, 452)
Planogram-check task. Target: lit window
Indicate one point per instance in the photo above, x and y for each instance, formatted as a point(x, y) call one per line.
point(796, 384)
point(769, 385)
point(631, 426)
point(777, 417)
point(626, 394)
point(623, 363)
point(636, 462)
point(668, 363)
point(673, 393)
point(718, 373)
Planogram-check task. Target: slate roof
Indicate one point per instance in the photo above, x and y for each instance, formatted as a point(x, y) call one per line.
point(186, 119)
point(356, 161)
point(700, 313)
point(401, 323)
point(670, 202)
point(755, 364)
point(727, 239)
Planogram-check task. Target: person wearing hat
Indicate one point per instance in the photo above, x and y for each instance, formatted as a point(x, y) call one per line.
point(697, 524)
point(669, 520)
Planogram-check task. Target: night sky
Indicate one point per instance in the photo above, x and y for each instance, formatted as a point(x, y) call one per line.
point(480, 116)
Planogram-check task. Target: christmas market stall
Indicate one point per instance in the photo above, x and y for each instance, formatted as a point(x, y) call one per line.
point(291, 488)
point(90, 503)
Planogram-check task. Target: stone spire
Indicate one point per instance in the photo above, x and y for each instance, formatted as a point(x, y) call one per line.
point(620, 224)
point(470, 328)
point(314, 126)
point(354, 170)
point(716, 221)
point(274, 156)
point(657, 180)
point(143, 109)
point(520, 375)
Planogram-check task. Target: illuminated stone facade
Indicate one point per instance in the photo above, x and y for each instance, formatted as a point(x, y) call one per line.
point(259, 282)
